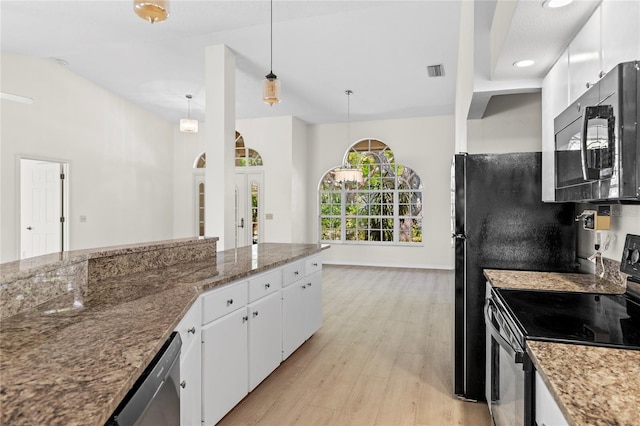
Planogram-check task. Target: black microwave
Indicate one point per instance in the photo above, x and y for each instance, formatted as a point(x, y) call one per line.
point(597, 144)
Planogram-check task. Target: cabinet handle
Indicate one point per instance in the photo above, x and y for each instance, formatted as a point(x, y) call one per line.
point(309, 284)
point(255, 314)
point(191, 330)
point(588, 85)
point(229, 302)
point(245, 319)
point(304, 286)
point(183, 384)
point(315, 264)
point(267, 285)
point(602, 74)
point(296, 273)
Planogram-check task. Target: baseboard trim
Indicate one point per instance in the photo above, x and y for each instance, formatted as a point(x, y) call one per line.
point(389, 265)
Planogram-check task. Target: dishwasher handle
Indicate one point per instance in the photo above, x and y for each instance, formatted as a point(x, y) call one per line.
point(518, 355)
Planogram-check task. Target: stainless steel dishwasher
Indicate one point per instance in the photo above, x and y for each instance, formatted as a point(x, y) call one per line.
point(155, 397)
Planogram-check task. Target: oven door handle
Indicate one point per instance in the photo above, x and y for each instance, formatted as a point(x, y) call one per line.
point(517, 355)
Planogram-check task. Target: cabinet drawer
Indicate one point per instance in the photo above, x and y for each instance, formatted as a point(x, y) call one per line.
point(313, 264)
point(264, 284)
point(292, 272)
point(189, 327)
point(220, 302)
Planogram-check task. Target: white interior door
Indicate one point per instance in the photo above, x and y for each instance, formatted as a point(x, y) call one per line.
point(249, 207)
point(40, 208)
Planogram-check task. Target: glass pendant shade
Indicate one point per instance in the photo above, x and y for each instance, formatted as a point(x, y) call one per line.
point(271, 89)
point(152, 10)
point(348, 174)
point(189, 125)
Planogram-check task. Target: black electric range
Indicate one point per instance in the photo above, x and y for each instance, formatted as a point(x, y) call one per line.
point(584, 318)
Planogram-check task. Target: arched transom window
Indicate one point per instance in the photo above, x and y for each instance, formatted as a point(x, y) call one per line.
point(385, 208)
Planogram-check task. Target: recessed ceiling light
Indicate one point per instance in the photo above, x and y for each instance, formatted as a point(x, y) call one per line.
point(523, 63)
point(554, 4)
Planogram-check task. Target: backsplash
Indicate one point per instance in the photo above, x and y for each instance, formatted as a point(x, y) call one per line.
point(611, 271)
point(28, 283)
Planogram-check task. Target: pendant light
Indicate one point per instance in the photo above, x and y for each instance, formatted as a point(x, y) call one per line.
point(271, 84)
point(152, 10)
point(346, 172)
point(189, 125)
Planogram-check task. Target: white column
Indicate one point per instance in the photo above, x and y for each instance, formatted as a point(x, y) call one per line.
point(220, 113)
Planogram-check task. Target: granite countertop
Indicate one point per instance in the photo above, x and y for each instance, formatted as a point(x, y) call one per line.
point(62, 365)
point(552, 281)
point(592, 385)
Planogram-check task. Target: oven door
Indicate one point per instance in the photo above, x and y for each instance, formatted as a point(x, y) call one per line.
point(507, 371)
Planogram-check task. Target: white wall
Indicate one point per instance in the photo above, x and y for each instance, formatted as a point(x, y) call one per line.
point(426, 145)
point(464, 78)
point(512, 123)
point(120, 166)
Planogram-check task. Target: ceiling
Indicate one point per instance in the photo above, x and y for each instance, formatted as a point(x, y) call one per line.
point(378, 49)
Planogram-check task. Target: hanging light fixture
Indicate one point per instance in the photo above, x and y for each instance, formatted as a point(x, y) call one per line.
point(271, 84)
point(189, 125)
point(346, 172)
point(152, 10)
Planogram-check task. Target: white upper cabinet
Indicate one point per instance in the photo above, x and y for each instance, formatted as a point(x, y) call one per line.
point(585, 64)
point(620, 32)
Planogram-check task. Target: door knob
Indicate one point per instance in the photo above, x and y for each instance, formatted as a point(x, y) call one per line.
point(29, 228)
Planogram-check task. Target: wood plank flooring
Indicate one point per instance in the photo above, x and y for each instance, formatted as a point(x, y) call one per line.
point(382, 357)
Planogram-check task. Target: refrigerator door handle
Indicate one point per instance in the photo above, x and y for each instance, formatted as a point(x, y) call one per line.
point(459, 236)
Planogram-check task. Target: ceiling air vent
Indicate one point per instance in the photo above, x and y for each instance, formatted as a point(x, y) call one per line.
point(435, 70)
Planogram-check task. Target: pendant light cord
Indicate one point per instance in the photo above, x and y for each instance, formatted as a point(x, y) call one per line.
point(271, 41)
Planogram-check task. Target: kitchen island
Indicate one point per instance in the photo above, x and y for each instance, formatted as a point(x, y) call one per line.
point(65, 362)
point(590, 384)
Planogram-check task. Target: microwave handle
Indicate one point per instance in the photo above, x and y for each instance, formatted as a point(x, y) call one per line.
point(591, 112)
point(517, 355)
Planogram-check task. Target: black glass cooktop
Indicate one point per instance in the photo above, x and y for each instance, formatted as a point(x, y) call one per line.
point(592, 319)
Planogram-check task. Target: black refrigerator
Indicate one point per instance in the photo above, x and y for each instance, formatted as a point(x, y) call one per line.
point(499, 222)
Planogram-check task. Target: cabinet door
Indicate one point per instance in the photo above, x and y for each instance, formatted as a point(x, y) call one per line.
point(265, 338)
point(293, 318)
point(620, 32)
point(547, 411)
point(555, 98)
point(585, 57)
point(313, 303)
point(224, 365)
point(190, 383)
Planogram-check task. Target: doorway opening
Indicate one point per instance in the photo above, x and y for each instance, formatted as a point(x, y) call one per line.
point(43, 189)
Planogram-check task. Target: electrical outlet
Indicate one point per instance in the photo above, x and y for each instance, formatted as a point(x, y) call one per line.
point(269, 216)
point(83, 218)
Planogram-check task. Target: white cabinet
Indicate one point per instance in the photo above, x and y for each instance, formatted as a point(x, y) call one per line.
point(302, 307)
point(293, 327)
point(265, 337)
point(585, 62)
point(555, 98)
point(620, 32)
point(190, 358)
point(224, 365)
point(547, 411)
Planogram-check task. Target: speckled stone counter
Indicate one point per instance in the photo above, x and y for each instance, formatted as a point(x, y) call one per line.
point(552, 281)
point(72, 366)
point(592, 385)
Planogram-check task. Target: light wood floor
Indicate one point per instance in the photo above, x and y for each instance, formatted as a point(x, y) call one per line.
point(382, 357)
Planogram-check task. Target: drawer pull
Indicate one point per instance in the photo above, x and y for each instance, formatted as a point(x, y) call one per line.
point(191, 330)
point(309, 284)
point(315, 264)
point(296, 273)
point(183, 384)
point(245, 319)
point(255, 314)
point(229, 302)
point(304, 286)
point(267, 285)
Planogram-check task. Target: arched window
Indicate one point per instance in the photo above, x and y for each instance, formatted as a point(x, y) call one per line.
point(386, 208)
